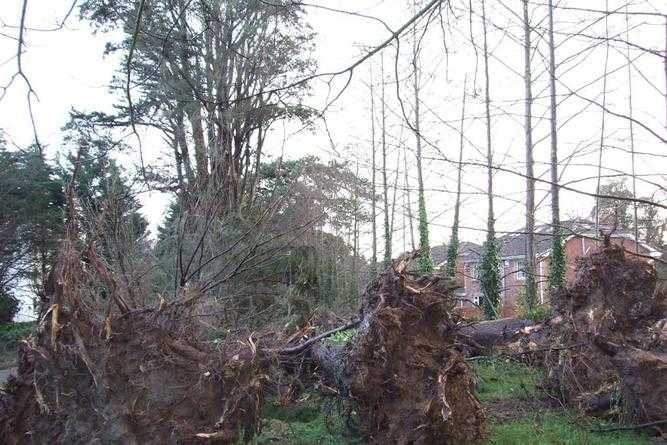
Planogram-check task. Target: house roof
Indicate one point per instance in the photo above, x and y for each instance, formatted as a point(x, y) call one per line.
point(467, 251)
point(513, 245)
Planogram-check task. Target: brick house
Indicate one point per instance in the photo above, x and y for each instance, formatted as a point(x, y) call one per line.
point(579, 240)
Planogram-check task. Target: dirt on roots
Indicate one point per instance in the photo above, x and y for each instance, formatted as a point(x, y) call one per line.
point(132, 376)
point(608, 341)
point(404, 371)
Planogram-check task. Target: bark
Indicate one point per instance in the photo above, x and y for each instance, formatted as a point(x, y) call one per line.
point(489, 150)
point(409, 204)
point(555, 206)
point(531, 288)
point(603, 123)
point(385, 185)
point(484, 337)
point(373, 183)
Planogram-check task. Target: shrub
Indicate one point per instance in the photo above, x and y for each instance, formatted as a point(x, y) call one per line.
point(9, 307)
point(539, 312)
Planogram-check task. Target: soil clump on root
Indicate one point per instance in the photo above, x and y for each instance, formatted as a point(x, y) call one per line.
point(404, 373)
point(608, 340)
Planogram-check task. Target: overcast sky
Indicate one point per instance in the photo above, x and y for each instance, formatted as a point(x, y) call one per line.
point(68, 70)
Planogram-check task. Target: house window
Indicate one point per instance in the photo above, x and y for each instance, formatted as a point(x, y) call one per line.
point(521, 270)
point(473, 271)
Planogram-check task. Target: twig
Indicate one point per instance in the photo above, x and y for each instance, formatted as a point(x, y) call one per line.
point(629, 427)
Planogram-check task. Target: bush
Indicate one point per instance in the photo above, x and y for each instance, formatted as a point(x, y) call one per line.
point(538, 312)
point(9, 307)
point(10, 335)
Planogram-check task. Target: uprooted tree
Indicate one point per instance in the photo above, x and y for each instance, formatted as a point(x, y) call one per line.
point(107, 365)
point(609, 343)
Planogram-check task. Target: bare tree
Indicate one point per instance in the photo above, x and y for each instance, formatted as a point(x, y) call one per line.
point(385, 185)
point(531, 290)
point(453, 248)
point(373, 182)
point(557, 260)
point(425, 262)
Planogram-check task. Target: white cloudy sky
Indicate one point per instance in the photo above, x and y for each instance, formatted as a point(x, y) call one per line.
point(68, 70)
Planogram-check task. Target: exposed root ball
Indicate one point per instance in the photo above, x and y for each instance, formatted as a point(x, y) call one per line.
point(403, 372)
point(131, 376)
point(143, 385)
point(614, 301)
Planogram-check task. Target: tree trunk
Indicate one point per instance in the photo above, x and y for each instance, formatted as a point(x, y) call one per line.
point(531, 288)
point(385, 185)
point(555, 206)
point(425, 263)
point(373, 183)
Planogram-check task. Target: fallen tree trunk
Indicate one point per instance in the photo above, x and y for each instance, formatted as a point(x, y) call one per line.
point(482, 338)
point(404, 373)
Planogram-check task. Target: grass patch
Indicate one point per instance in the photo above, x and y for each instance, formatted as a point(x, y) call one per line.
point(341, 337)
point(505, 379)
point(503, 384)
point(555, 428)
point(10, 335)
point(309, 421)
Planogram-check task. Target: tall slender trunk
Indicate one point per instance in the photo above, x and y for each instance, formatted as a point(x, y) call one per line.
point(531, 291)
point(355, 234)
point(407, 194)
point(374, 259)
point(393, 199)
point(489, 268)
point(453, 248)
point(425, 262)
point(385, 186)
point(557, 260)
point(632, 132)
point(603, 123)
point(489, 151)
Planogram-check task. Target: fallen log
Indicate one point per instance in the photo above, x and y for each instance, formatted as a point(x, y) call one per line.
point(482, 338)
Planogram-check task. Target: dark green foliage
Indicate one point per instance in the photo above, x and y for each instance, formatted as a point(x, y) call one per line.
point(535, 311)
point(30, 220)
point(290, 263)
point(9, 306)
point(424, 261)
point(557, 261)
point(615, 212)
point(489, 278)
point(10, 336)
point(452, 252)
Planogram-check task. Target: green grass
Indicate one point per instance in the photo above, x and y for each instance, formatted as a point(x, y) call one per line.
point(309, 421)
point(554, 428)
point(342, 337)
point(511, 383)
point(510, 388)
point(500, 379)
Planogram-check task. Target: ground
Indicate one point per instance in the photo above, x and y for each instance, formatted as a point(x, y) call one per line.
point(518, 413)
